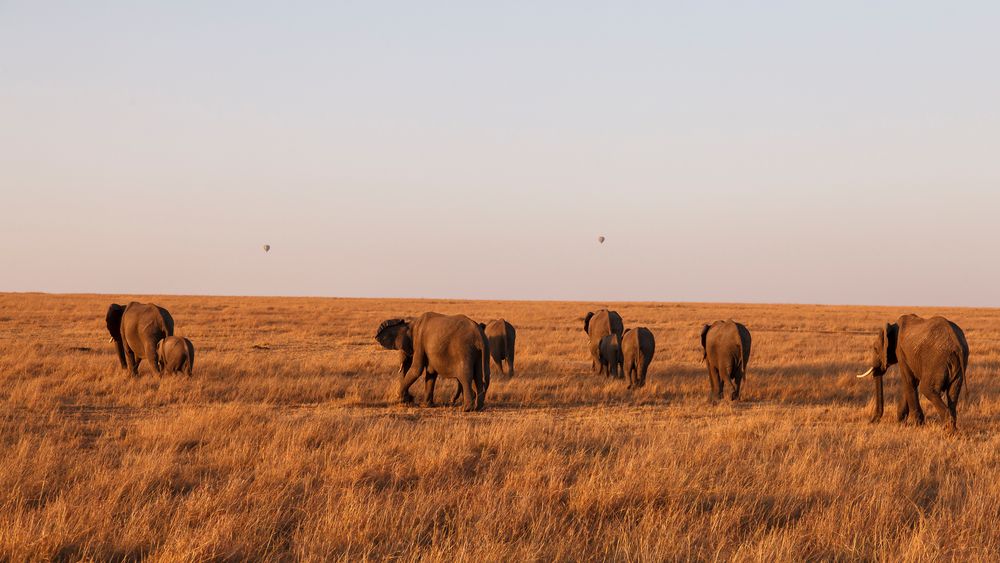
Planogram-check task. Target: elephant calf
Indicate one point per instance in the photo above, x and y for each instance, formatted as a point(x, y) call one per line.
point(176, 355)
point(726, 346)
point(638, 347)
point(501, 336)
point(611, 355)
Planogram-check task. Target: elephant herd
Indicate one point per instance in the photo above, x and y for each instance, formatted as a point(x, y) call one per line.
point(932, 354)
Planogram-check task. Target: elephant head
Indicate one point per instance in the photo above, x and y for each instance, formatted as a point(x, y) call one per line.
point(883, 355)
point(114, 322)
point(396, 334)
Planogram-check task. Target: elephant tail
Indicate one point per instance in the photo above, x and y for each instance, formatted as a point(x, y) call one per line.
point(739, 365)
point(956, 369)
point(484, 357)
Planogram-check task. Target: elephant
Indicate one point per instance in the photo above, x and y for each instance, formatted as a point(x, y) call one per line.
point(726, 347)
point(638, 347)
point(137, 329)
point(932, 355)
point(611, 355)
point(453, 346)
point(597, 326)
point(501, 336)
point(397, 334)
point(176, 355)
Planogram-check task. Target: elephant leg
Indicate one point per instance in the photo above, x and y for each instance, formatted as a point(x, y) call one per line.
point(902, 407)
point(479, 380)
point(429, 382)
point(927, 390)
point(908, 384)
point(132, 363)
point(953, 392)
point(153, 357)
point(458, 393)
point(713, 382)
point(465, 380)
point(735, 381)
point(411, 375)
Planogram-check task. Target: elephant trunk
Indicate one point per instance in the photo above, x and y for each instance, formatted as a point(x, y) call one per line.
point(879, 398)
point(121, 352)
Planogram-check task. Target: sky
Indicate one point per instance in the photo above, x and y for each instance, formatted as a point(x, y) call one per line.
point(783, 152)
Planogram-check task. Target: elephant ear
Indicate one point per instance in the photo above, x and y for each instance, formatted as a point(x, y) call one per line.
point(586, 322)
point(704, 335)
point(388, 331)
point(114, 320)
point(890, 339)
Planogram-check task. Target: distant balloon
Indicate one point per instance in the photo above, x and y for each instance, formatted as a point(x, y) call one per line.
point(600, 239)
point(267, 248)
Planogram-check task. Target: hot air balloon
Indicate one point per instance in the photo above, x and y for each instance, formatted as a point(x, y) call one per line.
point(600, 239)
point(267, 248)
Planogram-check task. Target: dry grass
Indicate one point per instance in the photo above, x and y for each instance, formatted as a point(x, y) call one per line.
point(288, 442)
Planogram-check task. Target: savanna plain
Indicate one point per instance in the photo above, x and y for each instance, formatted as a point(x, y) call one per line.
point(289, 442)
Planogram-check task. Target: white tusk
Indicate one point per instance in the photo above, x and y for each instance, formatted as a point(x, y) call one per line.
point(867, 373)
point(112, 339)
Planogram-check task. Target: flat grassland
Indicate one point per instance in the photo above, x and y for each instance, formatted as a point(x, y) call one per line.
point(288, 442)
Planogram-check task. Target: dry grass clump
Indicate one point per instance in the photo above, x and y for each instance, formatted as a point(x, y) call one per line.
point(288, 442)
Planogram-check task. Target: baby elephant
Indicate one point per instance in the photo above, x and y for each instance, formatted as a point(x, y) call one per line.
point(176, 354)
point(638, 347)
point(726, 346)
point(501, 335)
point(610, 351)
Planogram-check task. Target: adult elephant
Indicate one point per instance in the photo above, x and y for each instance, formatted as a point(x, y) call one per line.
point(726, 347)
point(452, 346)
point(638, 347)
point(597, 325)
point(137, 329)
point(397, 334)
point(501, 336)
point(933, 356)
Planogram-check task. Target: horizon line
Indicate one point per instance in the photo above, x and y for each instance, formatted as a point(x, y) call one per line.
point(471, 300)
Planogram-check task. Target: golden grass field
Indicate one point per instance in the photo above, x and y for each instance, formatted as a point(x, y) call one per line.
point(288, 442)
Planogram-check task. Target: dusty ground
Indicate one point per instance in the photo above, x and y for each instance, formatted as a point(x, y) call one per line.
point(288, 442)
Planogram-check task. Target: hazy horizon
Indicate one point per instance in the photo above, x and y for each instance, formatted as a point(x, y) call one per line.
point(776, 153)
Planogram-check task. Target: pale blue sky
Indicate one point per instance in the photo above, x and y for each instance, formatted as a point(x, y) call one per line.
point(764, 151)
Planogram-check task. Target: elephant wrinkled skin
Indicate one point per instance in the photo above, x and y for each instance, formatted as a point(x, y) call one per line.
point(932, 355)
point(726, 346)
point(137, 330)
